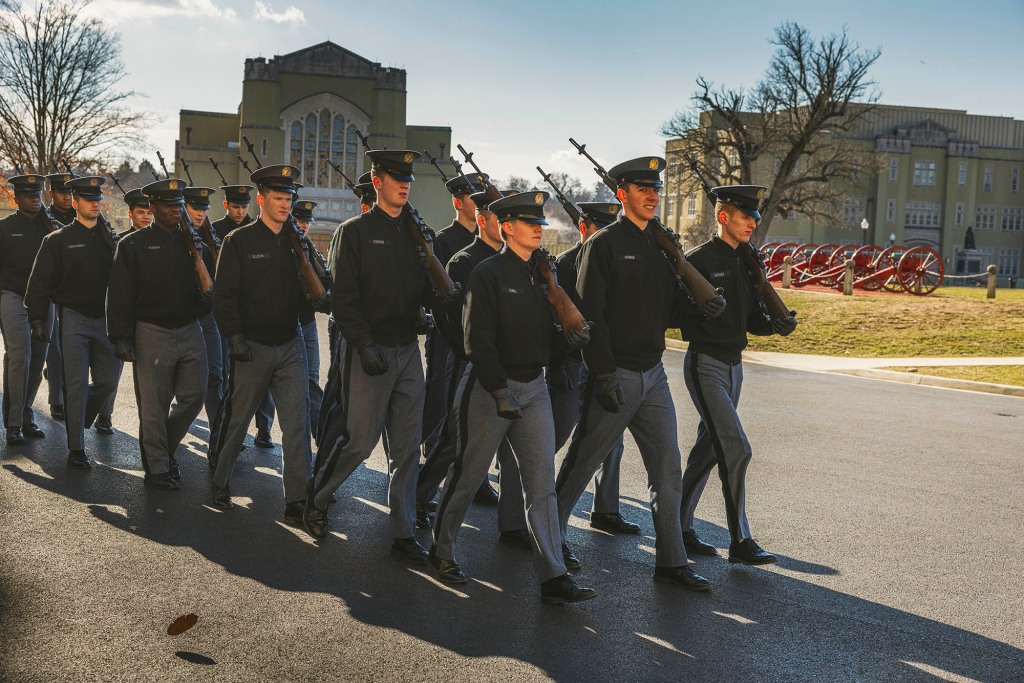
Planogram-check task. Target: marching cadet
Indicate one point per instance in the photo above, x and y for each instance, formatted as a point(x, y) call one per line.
point(72, 270)
point(714, 372)
point(63, 213)
point(567, 377)
point(509, 329)
point(256, 300)
point(236, 207)
point(379, 287)
point(153, 309)
point(511, 516)
point(629, 291)
point(21, 235)
point(140, 215)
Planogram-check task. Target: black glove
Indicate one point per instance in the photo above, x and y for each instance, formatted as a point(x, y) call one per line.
point(507, 405)
point(579, 338)
point(785, 326)
point(206, 297)
point(239, 350)
point(124, 349)
point(608, 393)
point(712, 308)
point(448, 299)
point(39, 332)
point(321, 303)
point(559, 378)
point(372, 359)
point(425, 325)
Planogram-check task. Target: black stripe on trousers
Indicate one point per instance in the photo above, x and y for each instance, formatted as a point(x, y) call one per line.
point(3, 333)
point(572, 455)
point(459, 456)
point(443, 438)
point(333, 444)
point(64, 373)
point(723, 469)
point(138, 407)
point(224, 414)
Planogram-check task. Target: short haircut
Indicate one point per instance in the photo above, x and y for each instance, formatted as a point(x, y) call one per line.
point(721, 206)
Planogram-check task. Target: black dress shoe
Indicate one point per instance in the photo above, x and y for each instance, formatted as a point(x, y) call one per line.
point(263, 440)
point(33, 430)
point(613, 523)
point(748, 551)
point(104, 425)
point(221, 497)
point(695, 546)
point(409, 550)
point(486, 495)
point(79, 460)
point(563, 589)
point(572, 563)
point(293, 513)
point(164, 481)
point(424, 520)
point(519, 538)
point(315, 520)
point(681, 576)
point(14, 435)
point(446, 571)
point(174, 470)
point(57, 412)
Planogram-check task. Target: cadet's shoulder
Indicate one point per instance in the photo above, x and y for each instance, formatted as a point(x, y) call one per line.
point(569, 255)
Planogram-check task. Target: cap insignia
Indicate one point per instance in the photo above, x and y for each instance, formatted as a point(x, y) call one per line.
point(286, 171)
point(760, 193)
point(30, 179)
point(203, 193)
point(173, 185)
point(653, 164)
point(67, 177)
point(538, 198)
point(93, 182)
point(409, 157)
point(613, 209)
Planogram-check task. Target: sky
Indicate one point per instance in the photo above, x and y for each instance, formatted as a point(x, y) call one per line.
point(515, 80)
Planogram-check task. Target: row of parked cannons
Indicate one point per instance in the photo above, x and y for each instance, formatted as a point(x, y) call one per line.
point(914, 270)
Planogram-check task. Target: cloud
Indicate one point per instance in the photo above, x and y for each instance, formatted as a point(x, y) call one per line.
point(120, 11)
point(292, 15)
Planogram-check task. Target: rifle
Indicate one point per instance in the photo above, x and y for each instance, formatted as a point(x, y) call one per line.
point(217, 169)
point(771, 303)
point(245, 164)
point(423, 235)
point(160, 157)
point(433, 162)
point(708, 299)
point(106, 230)
point(493, 193)
point(315, 290)
point(337, 169)
point(184, 167)
point(574, 213)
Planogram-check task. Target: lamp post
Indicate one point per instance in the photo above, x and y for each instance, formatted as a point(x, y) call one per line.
point(892, 238)
point(864, 225)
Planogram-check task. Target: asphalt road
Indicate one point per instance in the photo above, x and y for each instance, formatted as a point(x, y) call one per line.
point(895, 510)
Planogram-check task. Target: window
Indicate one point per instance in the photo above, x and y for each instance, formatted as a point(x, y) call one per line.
point(988, 178)
point(691, 206)
point(985, 217)
point(670, 207)
point(1009, 262)
point(890, 211)
point(1013, 216)
point(734, 158)
point(264, 148)
point(923, 215)
point(961, 176)
point(959, 214)
point(894, 169)
point(316, 140)
point(1014, 179)
point(924, 173)
point(853, 210)
point(778, 164)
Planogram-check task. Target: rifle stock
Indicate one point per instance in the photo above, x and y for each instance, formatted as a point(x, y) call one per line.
point(190, 237)
point(569, 317)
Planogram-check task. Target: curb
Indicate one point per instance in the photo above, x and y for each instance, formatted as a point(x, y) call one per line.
point(932, 381)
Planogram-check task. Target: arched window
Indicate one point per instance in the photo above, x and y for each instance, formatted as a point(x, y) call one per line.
point(309, 152)
point(338, 150)
point(323, 175)
point(296, 144)
point(351, 153)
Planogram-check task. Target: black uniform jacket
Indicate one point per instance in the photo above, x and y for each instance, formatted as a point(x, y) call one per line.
point(379, 281)
point(510, 326)
point(257, 293)
point(63, 217)
point(628, 289)
point(451, 240)
point(725, 337)
point(566, 271)
point(225, 225)
point(72, 269)
point(20, 239)
point(153, 280)
point(459, 267)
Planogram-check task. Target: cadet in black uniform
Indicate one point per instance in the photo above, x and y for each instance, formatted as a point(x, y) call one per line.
point(63, 213)
point(509, 330)
point(72, 270)
point(379, 286)
point(153, 309)
point(567, 377)
point(257, 297)
point(236, 206)
point(629, 291)
point(714, 373)
point(21, 235)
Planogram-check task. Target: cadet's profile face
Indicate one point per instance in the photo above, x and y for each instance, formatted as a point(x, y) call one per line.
point(275, 205)
point(61, 199)
point(639, 201)
point(303, 225)
point(89, 209)
point(490, 228)
point(168, 215)
point(521, 235)
point(464, 204)
point(28, 203)
point(735, 227)
point(587, 228)
point(236, 212)
point(140, 216)
point(391, 192)
point(197, 215)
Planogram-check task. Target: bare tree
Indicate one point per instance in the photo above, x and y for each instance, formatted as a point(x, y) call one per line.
point(59, 72)
point(794, 120)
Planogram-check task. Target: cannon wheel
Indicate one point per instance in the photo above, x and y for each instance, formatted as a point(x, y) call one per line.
point(887, 262)
point(817, 262)
point(865, 261)
point(920, 271)
point(774, 261)
point(838, 258)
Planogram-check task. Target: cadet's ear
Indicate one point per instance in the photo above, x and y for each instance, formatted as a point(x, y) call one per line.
point(620, 194)
point(480, 221)
point(457, 203)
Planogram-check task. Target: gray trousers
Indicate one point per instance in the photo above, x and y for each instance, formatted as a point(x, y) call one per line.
point(215, 369)
point(311, 357)
point(435, 407)
point(565, 409)
point(54, 364)
point(108, 407)
point(531, 438)
point(715, 389)
point(23, 361)
point(353, 429)
point(281, 370)
point(170, 365)
point(85, 348)
point(511, 515)
point(650, 416)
